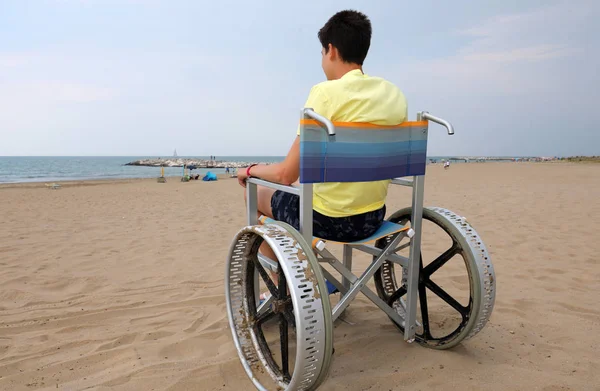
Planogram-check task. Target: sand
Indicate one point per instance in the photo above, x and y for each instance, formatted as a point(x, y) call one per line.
point(119, 286)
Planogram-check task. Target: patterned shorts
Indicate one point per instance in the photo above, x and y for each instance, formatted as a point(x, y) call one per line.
point(286, 208)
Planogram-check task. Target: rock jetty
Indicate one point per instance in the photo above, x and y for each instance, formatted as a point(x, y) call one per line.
point(198, 163)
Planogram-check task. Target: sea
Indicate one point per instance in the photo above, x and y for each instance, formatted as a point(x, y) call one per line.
point(65, 168)
point(16, 169)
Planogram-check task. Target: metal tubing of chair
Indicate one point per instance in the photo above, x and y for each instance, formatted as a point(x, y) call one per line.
point(262, 308)
point(252, 203)
point(399, 259)
point(252, 218)
point(306, 211)
point(402, 247)
point(402, 182)
point(351, 278)
point(414, 258)
point(367, 292)
point(433, 118)
point(326, 256)
point(308, 112)
point(389, 311)
point(347, 261)
point(322, 258)
point(362, 281)
point(329, 277)
point(273, 185)
point(347, 274)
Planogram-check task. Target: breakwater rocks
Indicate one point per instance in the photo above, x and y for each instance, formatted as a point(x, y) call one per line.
point(196, 163)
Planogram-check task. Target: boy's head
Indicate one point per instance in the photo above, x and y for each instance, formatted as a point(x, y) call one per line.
point(345, 38)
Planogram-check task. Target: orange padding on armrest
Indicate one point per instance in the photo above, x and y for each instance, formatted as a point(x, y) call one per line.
point(406, 124)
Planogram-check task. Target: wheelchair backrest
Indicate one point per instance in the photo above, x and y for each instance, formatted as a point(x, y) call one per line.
point(361, 152)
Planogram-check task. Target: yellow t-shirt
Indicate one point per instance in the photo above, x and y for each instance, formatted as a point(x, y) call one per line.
point(355, 97)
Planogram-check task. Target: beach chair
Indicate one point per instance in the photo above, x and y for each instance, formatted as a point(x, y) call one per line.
point(405, 286)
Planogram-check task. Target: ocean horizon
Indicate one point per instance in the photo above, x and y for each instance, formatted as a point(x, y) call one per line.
point(22, 169)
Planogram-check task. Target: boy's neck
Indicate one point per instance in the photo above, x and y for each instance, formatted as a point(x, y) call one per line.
point(344, 68)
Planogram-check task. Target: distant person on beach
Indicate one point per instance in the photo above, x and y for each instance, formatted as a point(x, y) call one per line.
point(446, 164)
point(341, 211)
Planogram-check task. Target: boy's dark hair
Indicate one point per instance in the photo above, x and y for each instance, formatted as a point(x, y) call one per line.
point(350, 32)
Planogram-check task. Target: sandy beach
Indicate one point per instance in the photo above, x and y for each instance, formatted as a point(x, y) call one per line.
point(118, 285)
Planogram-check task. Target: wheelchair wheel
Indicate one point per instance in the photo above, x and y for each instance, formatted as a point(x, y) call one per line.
point(284, 342)
point(457, 284)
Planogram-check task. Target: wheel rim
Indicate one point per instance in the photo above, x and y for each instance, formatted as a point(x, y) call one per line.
point(295, 300)
point(279, 307)
point(392, 289)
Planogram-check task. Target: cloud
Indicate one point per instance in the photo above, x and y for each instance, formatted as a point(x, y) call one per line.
point(13, 60)
point(553, 22)
point(105, 2)
point(229, 85)
point(509, 54)
point(523, 76)
point(533, 53)
point(56, 92)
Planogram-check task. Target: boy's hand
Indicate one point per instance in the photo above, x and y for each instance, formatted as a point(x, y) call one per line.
point(241, 176)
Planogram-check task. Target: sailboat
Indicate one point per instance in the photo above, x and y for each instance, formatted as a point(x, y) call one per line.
point(175, 153)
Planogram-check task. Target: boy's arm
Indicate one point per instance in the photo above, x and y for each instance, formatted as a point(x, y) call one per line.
point(286, 172)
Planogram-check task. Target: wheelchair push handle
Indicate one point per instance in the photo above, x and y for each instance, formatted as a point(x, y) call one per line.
point(426, 116)
point(319, 118)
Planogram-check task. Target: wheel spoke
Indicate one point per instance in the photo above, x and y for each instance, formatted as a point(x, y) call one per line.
point(282, 285)
point(397, 295)
point(289, 316)
point(262, 318)
point(424, 311)
point(441, 260)
point(288, 310)
point(460, 244)
point(442, 294)
point(283, 339)
point(265, 276)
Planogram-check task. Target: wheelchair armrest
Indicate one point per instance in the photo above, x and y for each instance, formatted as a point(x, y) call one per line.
point(426, 116)
point(273, 185)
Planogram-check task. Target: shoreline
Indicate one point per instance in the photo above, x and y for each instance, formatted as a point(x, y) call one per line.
point(8, 175)
point(94, 182)
point(99, 181)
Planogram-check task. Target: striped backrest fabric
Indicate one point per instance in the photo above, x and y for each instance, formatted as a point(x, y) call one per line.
point(361, 152)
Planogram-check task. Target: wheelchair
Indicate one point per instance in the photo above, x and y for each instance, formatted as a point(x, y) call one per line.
point(285, 342)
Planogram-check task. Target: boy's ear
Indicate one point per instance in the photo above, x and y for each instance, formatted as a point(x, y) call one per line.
point(333, 52)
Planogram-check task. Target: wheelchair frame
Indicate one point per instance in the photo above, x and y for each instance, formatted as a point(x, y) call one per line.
point(297, 250)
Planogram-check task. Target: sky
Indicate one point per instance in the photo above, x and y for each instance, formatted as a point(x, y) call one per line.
point(229, 77)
